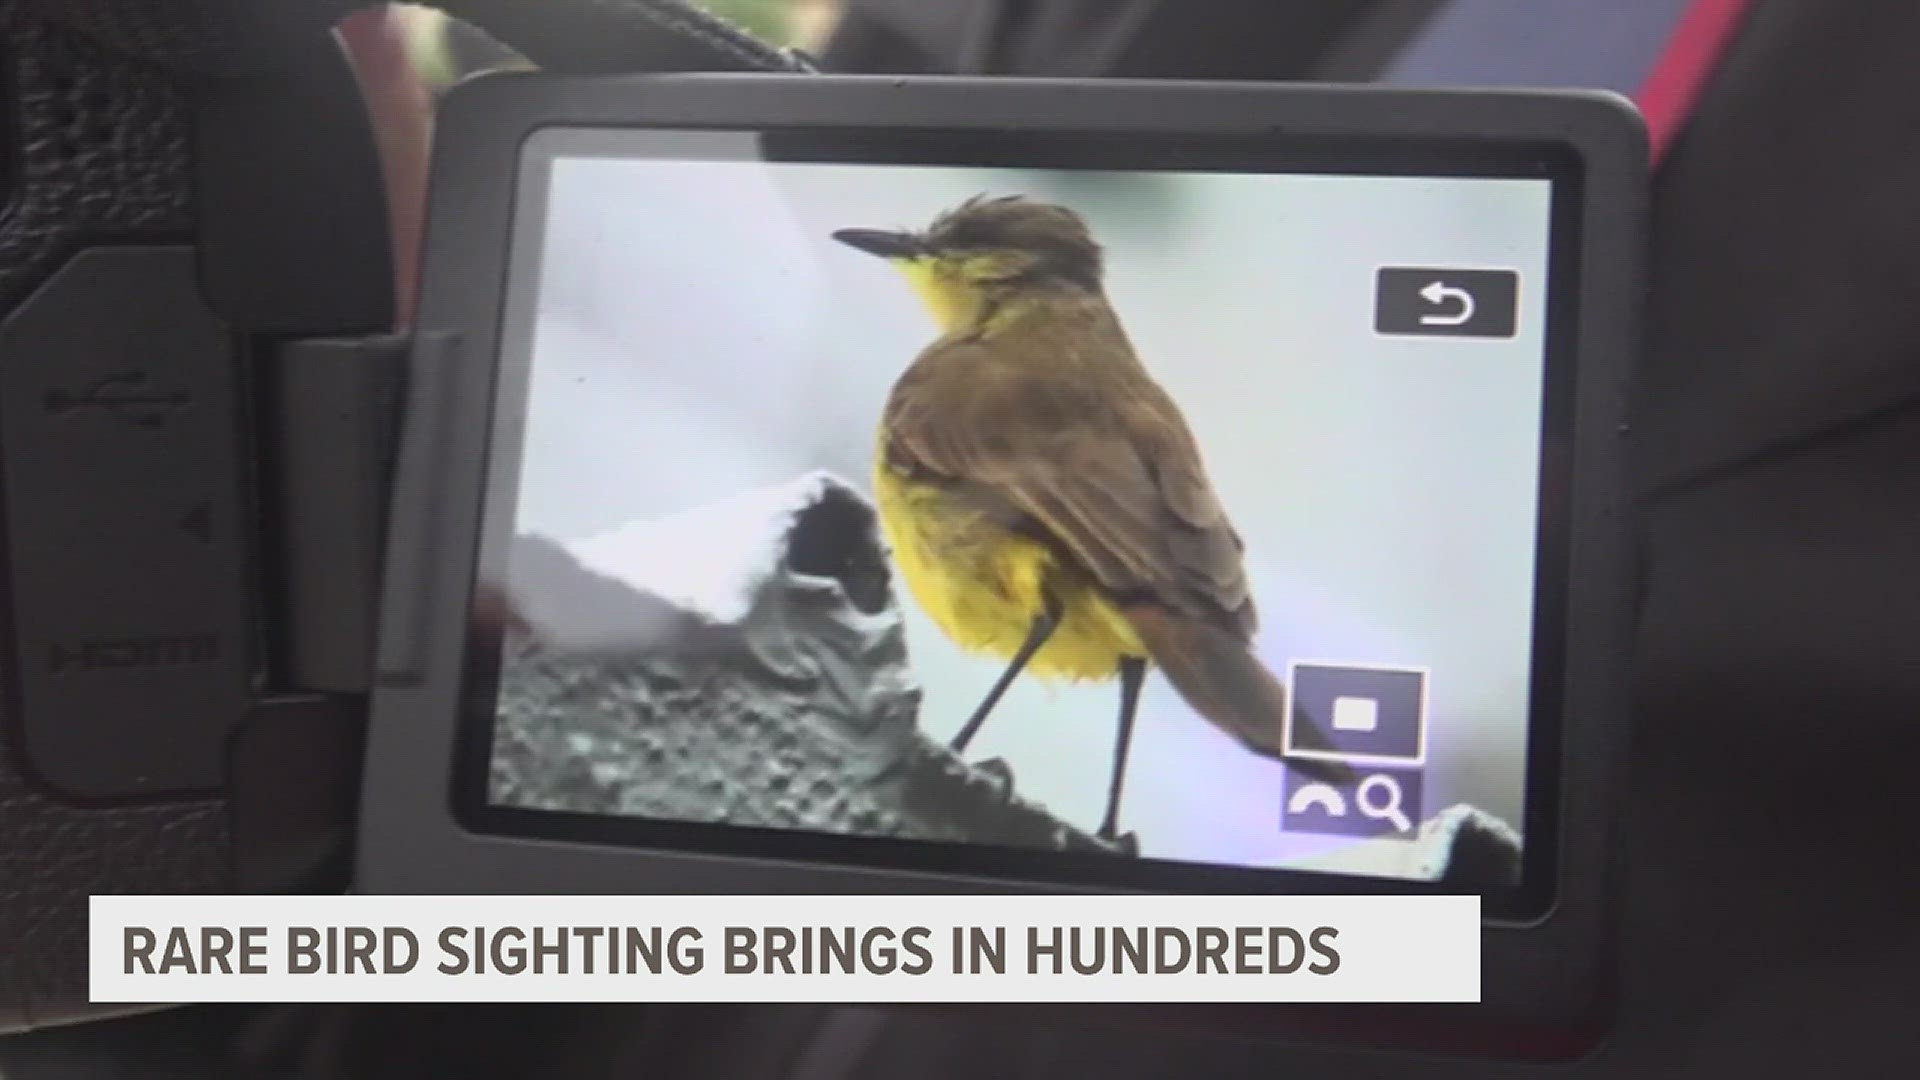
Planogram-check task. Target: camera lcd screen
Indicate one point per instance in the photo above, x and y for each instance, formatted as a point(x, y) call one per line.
point(868, 500)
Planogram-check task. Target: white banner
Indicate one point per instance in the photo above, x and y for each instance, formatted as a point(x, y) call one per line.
point(843, 949)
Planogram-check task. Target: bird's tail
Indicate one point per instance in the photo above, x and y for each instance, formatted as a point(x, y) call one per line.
point(1222, 680)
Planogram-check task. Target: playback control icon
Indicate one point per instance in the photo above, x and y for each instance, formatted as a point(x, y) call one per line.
point(1381, 803)
point(1446, 302)
point(1372, 718)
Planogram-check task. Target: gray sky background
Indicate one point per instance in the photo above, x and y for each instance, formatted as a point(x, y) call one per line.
point(699, 334)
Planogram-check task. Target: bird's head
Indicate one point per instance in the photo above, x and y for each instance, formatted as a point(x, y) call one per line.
point(986, 249)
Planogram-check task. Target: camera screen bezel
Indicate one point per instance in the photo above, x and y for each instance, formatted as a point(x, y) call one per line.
point(426, 660)
point(1414, 158)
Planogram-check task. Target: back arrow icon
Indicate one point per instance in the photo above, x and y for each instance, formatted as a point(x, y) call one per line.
point(1438, 294)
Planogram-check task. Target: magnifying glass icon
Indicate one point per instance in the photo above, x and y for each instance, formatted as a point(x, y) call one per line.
point(1385, 807)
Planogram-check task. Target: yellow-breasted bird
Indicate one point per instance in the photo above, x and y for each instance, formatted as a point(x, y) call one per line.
point(1043, 496)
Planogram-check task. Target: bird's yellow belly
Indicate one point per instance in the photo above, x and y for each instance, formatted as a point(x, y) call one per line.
point(983, 585)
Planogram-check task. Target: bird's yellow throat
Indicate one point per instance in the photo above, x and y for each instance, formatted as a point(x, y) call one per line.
point(951, 294)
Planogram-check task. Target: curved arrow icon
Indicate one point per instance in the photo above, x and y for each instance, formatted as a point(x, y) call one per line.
point(1438, 293)
point(1327, 798)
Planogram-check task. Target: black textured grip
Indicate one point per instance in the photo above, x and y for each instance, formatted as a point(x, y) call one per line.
point(100, 157)
point(208, 37)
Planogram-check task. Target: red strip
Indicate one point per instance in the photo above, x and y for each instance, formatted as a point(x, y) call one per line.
point(1671, 88)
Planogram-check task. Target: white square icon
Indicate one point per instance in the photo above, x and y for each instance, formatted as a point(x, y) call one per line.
point(1355, 714)
point(1359, 712)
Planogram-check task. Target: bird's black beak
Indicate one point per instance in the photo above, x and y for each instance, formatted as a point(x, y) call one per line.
point(887, 245)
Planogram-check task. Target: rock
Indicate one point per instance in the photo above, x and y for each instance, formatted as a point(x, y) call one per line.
point(746, 663)
point(1470, 848)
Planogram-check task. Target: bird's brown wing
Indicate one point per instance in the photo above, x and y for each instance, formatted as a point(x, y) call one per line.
point(1105, 468)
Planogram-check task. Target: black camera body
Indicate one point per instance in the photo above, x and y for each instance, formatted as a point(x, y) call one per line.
point(194, 200)
point(133, 621)
point(234, 490)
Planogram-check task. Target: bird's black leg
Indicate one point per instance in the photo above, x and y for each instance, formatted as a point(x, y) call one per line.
point(1043, 626)
point(1133, 672)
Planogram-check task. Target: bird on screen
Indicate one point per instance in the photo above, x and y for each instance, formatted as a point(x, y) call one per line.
point(1044, 498)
